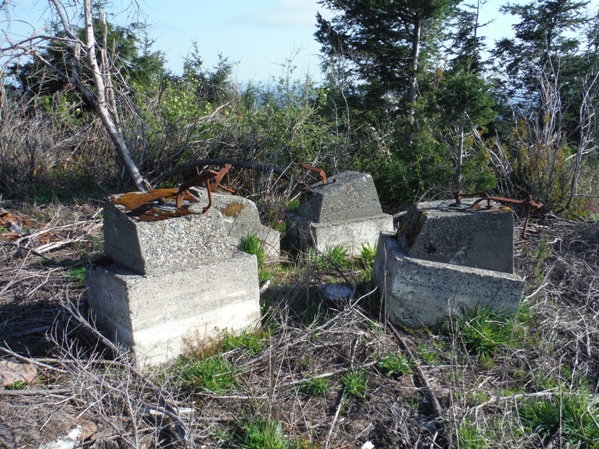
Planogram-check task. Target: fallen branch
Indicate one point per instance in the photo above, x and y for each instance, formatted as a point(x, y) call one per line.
point(222, 161)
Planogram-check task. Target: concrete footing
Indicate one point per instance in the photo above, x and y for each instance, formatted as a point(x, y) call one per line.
point(155, 314)
point(444, 260)
point(420, 292)
point(346, 211)
point(241, 217)
point(176, 279)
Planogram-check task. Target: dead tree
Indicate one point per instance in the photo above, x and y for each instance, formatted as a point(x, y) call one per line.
point(98, 90)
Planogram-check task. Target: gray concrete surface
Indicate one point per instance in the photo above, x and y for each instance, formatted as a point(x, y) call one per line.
point(420, 292)
point(154, 315)
point(346, 196)
point(162, 246)
point(346, 211)
point(241, 217)
point(350, 233)
point(481, 238)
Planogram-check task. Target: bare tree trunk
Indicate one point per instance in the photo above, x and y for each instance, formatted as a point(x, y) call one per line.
point(413, 81)
point(97, 97)
point(101, 105)
point(459, 168)
point(586, 143)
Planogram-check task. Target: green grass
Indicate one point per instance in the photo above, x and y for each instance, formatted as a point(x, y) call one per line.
point(214, 374)
point(571, 415)
point(253, 341)
point(395, 365)
point(483, 331)
point(18, 385)
point(78, 274)
point(259, 433)
point(427, 354)
point(355, 383)
point(337, 257)
point(251, 244)
point(314, 387)
point(367, 255)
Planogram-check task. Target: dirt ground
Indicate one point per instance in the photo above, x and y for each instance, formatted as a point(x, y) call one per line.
point(87, 393)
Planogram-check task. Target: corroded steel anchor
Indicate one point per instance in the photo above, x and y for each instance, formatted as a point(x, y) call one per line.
point(210, 179)
point(529, 203)
point(322, 176)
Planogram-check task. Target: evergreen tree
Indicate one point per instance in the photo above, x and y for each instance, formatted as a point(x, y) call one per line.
point(385, 41)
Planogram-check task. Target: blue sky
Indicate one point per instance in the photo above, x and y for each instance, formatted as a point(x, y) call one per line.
point(258, 35)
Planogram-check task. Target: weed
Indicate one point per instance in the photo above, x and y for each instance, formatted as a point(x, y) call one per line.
point(3, 229)
point(253, 341)
point(471, 436)
point(393, 365)
point(293, 205)
point(213, 374)
point(317, 386)
point(427, 355)
point(483, 331)
point(251, 244)
point(337, 256)
point(367, 255)
point(355, 383)
point(18, 385)
point(78, 274)
point(572, 416)
point(261, 434)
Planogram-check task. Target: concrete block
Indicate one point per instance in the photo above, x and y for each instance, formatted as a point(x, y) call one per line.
point(424, 293)
point(345, 211)
point(352, 234)
point(153, 314)
point(346, 196)
point(151, 247)
point(241, 217)
point(481, 238)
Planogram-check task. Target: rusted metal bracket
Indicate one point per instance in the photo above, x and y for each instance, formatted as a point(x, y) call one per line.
point(215, 183)
point(322, 176)
point(529, 203)
point(210, 179)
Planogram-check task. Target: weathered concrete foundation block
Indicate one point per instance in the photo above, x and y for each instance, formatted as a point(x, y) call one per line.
point(345, 211)
point(157, 247)
point(481, 238)
point(154, 314)
point(421, 292)
point(352, 234)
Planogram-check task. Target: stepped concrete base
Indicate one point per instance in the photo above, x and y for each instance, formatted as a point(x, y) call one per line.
point(352, 234)
point(153, 315)
point(424, 293)
point(481, 238)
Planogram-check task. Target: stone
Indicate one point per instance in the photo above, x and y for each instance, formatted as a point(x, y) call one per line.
point(351, 233)
point(153, 315)
point(438, 232)
point(420, 292)
point(14, 372)
point(346, 211)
